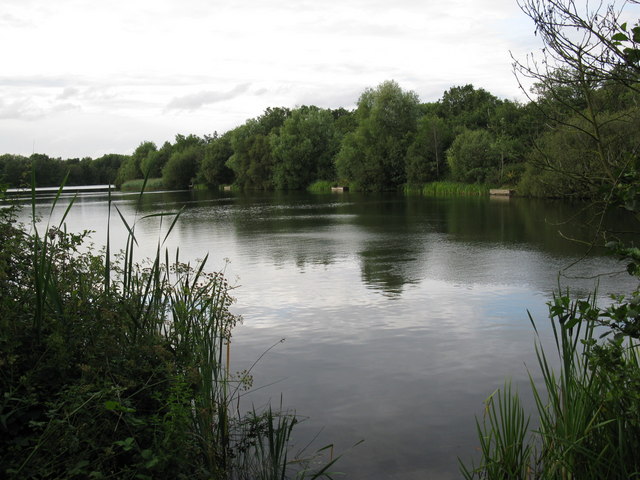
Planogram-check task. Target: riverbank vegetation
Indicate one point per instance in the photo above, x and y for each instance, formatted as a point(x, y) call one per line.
point(586, 420)
point(390, 141)
point(118, 369)
point(115, 369)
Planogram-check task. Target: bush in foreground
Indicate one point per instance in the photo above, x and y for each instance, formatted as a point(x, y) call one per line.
point(587, 411)
point(114, 369)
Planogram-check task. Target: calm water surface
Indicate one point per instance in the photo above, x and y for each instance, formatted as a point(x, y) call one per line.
point(400, 314)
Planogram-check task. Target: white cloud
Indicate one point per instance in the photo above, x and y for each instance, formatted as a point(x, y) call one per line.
point(68, 92)
point(196, 100)
point(20, 109)
point(208, 65)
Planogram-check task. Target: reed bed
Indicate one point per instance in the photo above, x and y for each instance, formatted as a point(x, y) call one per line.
point(321, 186)
point(151, 184)
point(440, 189)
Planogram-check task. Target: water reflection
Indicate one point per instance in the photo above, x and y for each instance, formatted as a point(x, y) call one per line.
point(398, 241)
point(401, 314)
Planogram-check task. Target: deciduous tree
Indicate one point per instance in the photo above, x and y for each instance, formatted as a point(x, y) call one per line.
point(373, 156)
point(304, 149)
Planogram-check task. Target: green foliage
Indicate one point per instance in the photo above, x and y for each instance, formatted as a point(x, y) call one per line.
point(252, 160)
point(568, 159)
point(588, 410)
point(321, 186)
point(48, 171)
point(131, 168)
point(183, 143)
point(214, 170)
point(467, 107)
point(472, 157)
point(373, 156)
point(304, 148)
point(443, 189)
point(588, 413)
point(151, 166)
point(504, 438)
point(344, 120)
point(149, 185)
point(14, 170)
point(182, 166)
point(426, 156)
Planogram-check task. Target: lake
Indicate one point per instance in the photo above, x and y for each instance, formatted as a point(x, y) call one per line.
point(400, 314)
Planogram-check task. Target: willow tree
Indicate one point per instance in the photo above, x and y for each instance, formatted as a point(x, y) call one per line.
point(373, 156)
point(304, 149)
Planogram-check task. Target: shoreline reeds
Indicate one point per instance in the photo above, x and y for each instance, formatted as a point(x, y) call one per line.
point(440, 189)
point(587, 411)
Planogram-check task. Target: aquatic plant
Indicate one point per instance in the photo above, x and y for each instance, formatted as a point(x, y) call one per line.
point(321, 186)
point(436, 189)
point(587, 411)
point(136, 185)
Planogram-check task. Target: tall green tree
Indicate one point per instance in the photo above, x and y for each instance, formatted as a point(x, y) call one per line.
point(131, 169)
point(304, 149)
point(426, 160)
point(183, 142)
point(472, 157)
point(345, 121)
point(373, 156)
point(252, 159)
point(107, 167)
point(15, 170)
point(468, 107)
point(214, 170)
point(49, 172)
point(154, 162)
point(580, 81)
point(81, 171)
point(181, 168)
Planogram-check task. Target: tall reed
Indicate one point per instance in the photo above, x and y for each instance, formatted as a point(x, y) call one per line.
point(588, 410)
point(149, 185)
point(439, 189)
point(321, 186)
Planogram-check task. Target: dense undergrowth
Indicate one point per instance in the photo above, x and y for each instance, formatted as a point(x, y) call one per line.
point(115, 369)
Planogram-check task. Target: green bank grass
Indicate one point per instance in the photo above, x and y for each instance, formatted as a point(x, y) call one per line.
point(320, 186)
point(151, 184)
point(439, 189)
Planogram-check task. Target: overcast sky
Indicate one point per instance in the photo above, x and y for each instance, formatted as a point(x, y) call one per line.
point(84, 78)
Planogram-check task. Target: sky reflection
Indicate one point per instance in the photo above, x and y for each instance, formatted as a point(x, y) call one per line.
point(400, 314)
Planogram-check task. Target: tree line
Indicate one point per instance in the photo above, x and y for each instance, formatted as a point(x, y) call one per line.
point(389, 141)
